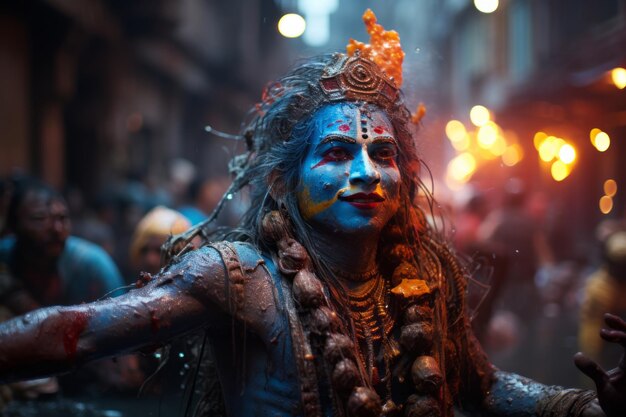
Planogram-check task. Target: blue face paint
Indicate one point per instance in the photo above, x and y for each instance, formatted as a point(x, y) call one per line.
point(350, 181)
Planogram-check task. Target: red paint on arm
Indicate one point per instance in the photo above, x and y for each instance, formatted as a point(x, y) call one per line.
point(73, 325)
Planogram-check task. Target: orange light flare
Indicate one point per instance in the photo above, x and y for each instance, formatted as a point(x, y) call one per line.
point(384, 48)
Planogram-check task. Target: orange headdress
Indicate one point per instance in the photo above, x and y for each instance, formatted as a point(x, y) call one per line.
point(384, 48)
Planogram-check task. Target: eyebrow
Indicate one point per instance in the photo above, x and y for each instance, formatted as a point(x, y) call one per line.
point(385, 139)
point(337, 138)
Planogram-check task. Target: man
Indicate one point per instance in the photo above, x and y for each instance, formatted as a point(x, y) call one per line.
point(47, 265)
point(333, 297)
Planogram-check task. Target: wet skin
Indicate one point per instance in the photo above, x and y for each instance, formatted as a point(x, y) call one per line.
point(350, 180)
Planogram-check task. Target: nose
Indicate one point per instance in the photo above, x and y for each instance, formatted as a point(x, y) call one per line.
point(363, 170)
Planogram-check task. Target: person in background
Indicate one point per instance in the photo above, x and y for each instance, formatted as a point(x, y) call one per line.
point(152, 231)
point(48, 266)
point(605, 291)
point(41, 264)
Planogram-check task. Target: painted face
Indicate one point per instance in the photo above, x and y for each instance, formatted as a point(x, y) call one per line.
point(350, 181)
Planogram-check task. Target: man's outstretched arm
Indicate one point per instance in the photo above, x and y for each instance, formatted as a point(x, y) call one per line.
point(184, 297)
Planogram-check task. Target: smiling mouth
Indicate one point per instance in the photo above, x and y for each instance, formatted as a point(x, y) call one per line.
point(363, 200)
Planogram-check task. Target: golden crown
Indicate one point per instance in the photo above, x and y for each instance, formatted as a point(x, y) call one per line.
point(358, 79)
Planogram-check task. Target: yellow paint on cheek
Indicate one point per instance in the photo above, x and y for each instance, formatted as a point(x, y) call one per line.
point(310, 208)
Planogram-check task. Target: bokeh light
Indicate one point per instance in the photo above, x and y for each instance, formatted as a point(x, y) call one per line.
point(602, 141)
point(618, 75)
point(539, 138)
point(559, 170)
point(548, 149)
point(463, 144)
point(486, 6)
point(567, 153)
point(291, 25)
point(461, 167)
point(512, 155)
point(592, 135)
point(487, 135)
point(479, 115)
point(455, 131)
point(610, 187)
point(499, 146)
point(606, 204)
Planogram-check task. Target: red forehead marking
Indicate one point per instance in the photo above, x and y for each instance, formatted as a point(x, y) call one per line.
point(379, 130)
point(334, 123)
point(344, 128)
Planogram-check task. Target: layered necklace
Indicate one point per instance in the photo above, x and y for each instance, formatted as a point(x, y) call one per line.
point(367, 308)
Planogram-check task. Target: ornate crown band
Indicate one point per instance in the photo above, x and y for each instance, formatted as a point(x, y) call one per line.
point(358, 79)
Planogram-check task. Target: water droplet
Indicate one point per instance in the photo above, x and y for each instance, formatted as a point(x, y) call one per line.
point(229, 196)
point(181, 355)
point(186, 366)
point(157, 355)
point(516, 250)
point(417, 50)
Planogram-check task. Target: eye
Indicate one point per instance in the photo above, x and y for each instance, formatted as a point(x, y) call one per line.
point(336, 154)
point(384, 153)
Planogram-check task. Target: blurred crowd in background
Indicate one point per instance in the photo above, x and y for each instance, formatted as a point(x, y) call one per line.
point(109, 108)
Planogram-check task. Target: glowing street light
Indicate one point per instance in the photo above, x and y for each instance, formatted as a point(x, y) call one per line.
point(486, 6)
point(291, 25)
